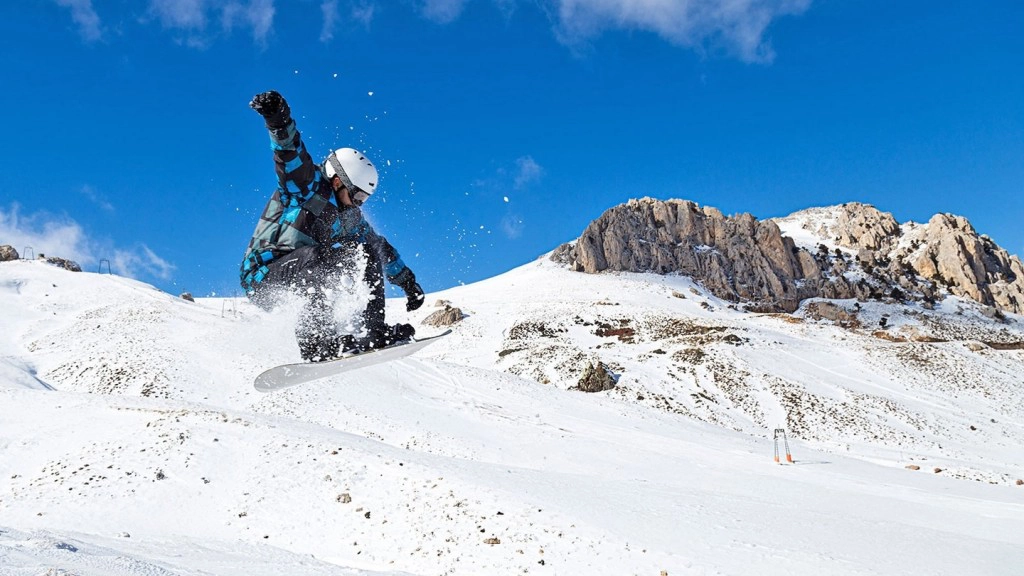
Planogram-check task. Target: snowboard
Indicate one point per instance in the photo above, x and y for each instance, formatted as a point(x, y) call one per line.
point(290, 375)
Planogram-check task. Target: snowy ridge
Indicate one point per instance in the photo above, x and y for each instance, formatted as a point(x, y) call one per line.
point(814, 227)
point(132, 441)
point(811, 227)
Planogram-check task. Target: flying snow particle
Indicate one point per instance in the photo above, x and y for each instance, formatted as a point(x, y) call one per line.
point(506, 198)
point(389, 162)
point(335, 74)
point(370, 93)
point(296, 71)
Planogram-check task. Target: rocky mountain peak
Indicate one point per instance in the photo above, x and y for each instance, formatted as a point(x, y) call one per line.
point(852, 225)
point(851, 250)
point(737, 257)
point(949, 252)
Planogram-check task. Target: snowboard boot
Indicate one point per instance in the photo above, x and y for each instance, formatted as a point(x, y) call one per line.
point(318, 349)
point(350, 344)
point(376, 340)
point(401, 333)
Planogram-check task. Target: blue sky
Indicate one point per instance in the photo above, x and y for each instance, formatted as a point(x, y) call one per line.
point(501, 127)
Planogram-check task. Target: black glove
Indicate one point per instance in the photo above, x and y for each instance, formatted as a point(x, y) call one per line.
point(273, 107)
point(414, 297)
point(406, 280)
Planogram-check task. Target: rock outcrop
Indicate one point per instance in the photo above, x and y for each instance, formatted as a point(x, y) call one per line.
point(447, 316)
point(738, 258)
point(64, 263)
point(741, 259)
point(833, 313)
point(8, 253)
point(944, 254)
point(950, 253)
point(596, 378)
point(855, 225)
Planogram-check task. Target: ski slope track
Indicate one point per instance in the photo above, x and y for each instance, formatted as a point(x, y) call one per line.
point(133, 443)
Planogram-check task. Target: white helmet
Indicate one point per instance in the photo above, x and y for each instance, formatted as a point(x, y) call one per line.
point(355, 171)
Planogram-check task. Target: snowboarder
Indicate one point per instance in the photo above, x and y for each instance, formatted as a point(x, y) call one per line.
point(304, 244)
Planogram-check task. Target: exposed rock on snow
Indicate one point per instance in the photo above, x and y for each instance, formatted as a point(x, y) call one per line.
point(832, 312)
point(444, 317)
point(8, 253)
point(61, 263)
point(566, 254)
point(596, 378)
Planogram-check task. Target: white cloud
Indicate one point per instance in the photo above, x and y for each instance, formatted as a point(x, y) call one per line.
point(363, 13)
point(507, 8)
point(329, 12)
point(96, 198)
point(180, 14)
point(192, 17)
point(512, 226)
point(260, 15)
point(360, 13)
point(141, 262)
point(43, 234)
point(527, 171)
point(738, 26)
point(523, 172)
point(59, 235)
point(83, 14)
point(443, 11)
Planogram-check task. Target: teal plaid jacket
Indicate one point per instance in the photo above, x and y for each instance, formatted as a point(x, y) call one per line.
point(300, 213)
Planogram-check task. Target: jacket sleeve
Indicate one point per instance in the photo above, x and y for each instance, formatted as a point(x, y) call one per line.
point(303, 195)
point(394, 268)
point(352, 226)
point(296, 172)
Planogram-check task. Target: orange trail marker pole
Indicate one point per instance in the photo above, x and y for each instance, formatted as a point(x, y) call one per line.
point(781, 433)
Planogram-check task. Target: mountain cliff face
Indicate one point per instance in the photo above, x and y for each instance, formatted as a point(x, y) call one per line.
point(847, 251)
point(951, 253)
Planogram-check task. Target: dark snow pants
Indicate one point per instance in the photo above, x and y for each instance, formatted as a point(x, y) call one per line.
point(311, 272)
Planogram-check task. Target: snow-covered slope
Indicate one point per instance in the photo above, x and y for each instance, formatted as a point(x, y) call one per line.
point(132, 441)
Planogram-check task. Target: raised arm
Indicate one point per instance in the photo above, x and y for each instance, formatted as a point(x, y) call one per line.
point(294, 214)
point(294, 166)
